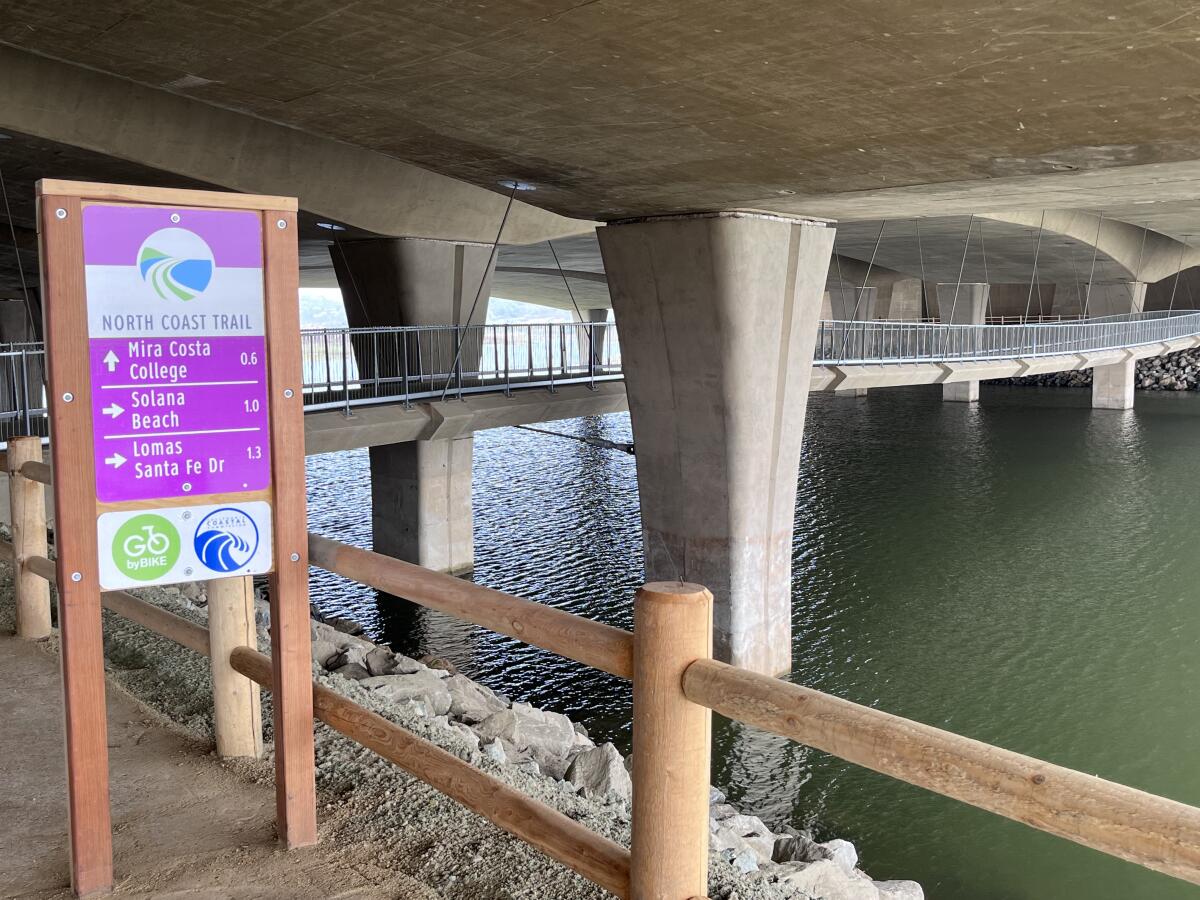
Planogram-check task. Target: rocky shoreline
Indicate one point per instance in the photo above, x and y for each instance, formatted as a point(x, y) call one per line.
point(544, 754)
point(1172, 372)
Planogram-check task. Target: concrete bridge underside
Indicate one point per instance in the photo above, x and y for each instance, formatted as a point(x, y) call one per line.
point(709, 145)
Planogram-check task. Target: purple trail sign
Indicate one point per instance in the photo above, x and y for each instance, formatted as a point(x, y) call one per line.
point(178, 354)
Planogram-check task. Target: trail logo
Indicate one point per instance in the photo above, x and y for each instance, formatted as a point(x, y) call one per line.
point(146, 547)
point(226, 539)
point(176, 263)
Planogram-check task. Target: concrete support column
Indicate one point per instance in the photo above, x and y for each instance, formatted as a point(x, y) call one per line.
point(421, 492)
point(599, 336)
point(852, 304)
point(962, 304)
point(719, 315)
point(421, 503)
point(1119, 299)
point(1113, 385)
point(903, 302)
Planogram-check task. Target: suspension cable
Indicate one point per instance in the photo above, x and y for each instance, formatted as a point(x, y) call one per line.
point(587, 326)
point(1087, 297)
point(12, 231)
point(920, 258)
point(987, 280)
point(1033, 277)
point(483, 277)
point(961, 265)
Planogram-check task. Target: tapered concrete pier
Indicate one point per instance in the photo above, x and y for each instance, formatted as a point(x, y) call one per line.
point(421, 491)
point(719, 315)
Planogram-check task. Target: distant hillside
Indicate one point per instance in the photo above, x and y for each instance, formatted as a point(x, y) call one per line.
point(322, 308)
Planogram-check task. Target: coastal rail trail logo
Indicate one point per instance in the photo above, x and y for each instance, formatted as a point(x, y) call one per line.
point(226, 539)
point(176, 263)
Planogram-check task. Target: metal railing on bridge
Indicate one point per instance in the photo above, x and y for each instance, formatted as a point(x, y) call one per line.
point(842, 343)
point(356, 366)
point(347, 367)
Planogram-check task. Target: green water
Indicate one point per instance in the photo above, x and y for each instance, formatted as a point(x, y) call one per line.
point(1024, 572)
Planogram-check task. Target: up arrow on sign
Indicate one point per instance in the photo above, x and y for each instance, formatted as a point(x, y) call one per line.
point(111, 360)
point(116, 460)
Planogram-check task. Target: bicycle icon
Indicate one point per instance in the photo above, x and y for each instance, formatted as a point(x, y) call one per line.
point(154, 542)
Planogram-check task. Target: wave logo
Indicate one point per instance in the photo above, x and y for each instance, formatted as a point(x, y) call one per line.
point(226, 539)
point(176, 263)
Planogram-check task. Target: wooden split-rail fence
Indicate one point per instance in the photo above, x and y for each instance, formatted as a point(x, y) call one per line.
point(676, 685)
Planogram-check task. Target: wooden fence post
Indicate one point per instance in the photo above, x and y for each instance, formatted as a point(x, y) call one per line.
point(27, 501)
point(671, 744)
point(237, 709)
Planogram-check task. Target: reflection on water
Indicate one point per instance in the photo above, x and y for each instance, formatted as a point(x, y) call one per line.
point(1023, 572)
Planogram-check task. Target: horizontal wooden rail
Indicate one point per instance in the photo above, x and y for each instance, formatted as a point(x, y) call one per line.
point(1143, 828)
point(36, 471)
point(42, 567)
point(583, 640)
point(591, 855)
point(157, 619)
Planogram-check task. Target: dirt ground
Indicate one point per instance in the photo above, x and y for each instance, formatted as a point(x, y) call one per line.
point(184, 824)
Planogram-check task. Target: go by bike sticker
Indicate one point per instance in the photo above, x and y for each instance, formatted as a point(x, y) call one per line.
point(186, 543)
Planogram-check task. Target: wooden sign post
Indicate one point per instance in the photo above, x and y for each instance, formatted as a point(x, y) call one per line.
point(177, 436)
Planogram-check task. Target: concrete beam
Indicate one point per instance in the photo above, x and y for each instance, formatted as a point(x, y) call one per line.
point(331, 431)
point(83, 108)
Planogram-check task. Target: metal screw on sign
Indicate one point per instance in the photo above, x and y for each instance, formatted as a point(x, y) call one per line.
point(288, 393)
point(175, 218)
point(60, 213)
point(76, 576)
point(187, 485)
point(281, 224)
point(295, 557)
point(68, 397)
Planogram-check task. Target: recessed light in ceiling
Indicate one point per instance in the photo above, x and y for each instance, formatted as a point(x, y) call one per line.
point(5, 137)
point(329, 226)
point(512, 185)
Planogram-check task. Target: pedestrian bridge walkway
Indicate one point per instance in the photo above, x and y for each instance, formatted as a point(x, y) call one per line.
point(411, 374)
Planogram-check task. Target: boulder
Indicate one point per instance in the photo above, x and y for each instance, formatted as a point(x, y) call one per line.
point(826, 880)
point(353, 670)
point(471, 702)
point(547, 737)
point(753, 832)
point(797, 848)
point(422, 687)
point(842, 853)
point(344, 625)
point(899, 890)
point(494, 750)
point(601, 770)
point(323, 652)
point(381, 661)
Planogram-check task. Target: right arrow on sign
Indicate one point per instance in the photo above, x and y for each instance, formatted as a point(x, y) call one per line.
point(111, 359)
point(116, 460)
point(114, 410)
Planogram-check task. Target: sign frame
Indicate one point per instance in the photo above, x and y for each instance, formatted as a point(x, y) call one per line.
point(69, 393)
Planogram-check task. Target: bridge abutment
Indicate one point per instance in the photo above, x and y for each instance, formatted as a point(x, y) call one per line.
point(420, 491)
point(962, 304)
point(719, 315)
